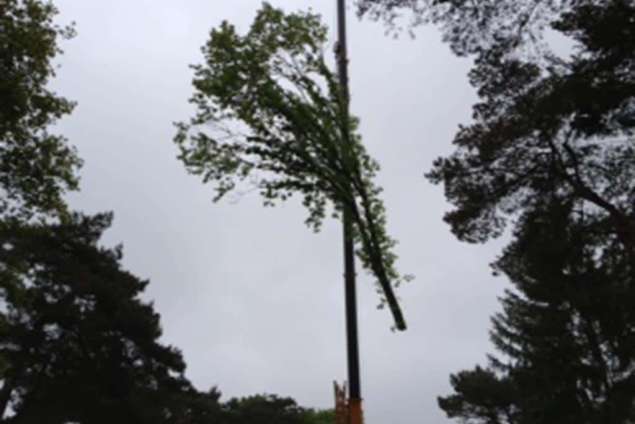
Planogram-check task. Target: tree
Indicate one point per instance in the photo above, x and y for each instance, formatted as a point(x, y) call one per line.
point(194, 407)
point(551, 146)
point(566, 333)
point(264, 409)
point(563, 128)
point(271, 409)
point(268, 112)
point(36, 166)
point(320, 417)
point(545, 123)
point(77, 344)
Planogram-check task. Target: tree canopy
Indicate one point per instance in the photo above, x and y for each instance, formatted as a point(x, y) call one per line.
point(36, 166)
point(269, 114)
point(76, 342)
point(561, 127)
point(566, 334)
point(546, 122)
point(551, 150)
point(271, 409)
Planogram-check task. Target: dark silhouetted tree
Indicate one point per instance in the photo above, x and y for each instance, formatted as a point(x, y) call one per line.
point(264, 409)
point(268, 113)
point(546, 123)
point(77, 344)
point(36, 166)
point(551, 149)
point(271, 409)
point(566, 333)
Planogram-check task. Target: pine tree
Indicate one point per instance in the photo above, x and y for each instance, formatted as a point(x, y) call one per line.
point(76, 342)
point(545, 123)
point(551, 151)
point(566, 335)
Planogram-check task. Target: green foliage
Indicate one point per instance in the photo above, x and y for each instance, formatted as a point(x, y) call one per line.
point(270, 409)
point(77, 343)
point(320, 417)
point(262, 409)
point(36, 167)
point(269, 114)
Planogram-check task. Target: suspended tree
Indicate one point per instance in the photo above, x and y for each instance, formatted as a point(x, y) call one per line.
point(269, 115)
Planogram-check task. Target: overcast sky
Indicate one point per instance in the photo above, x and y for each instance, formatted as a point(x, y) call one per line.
point(252, 297)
